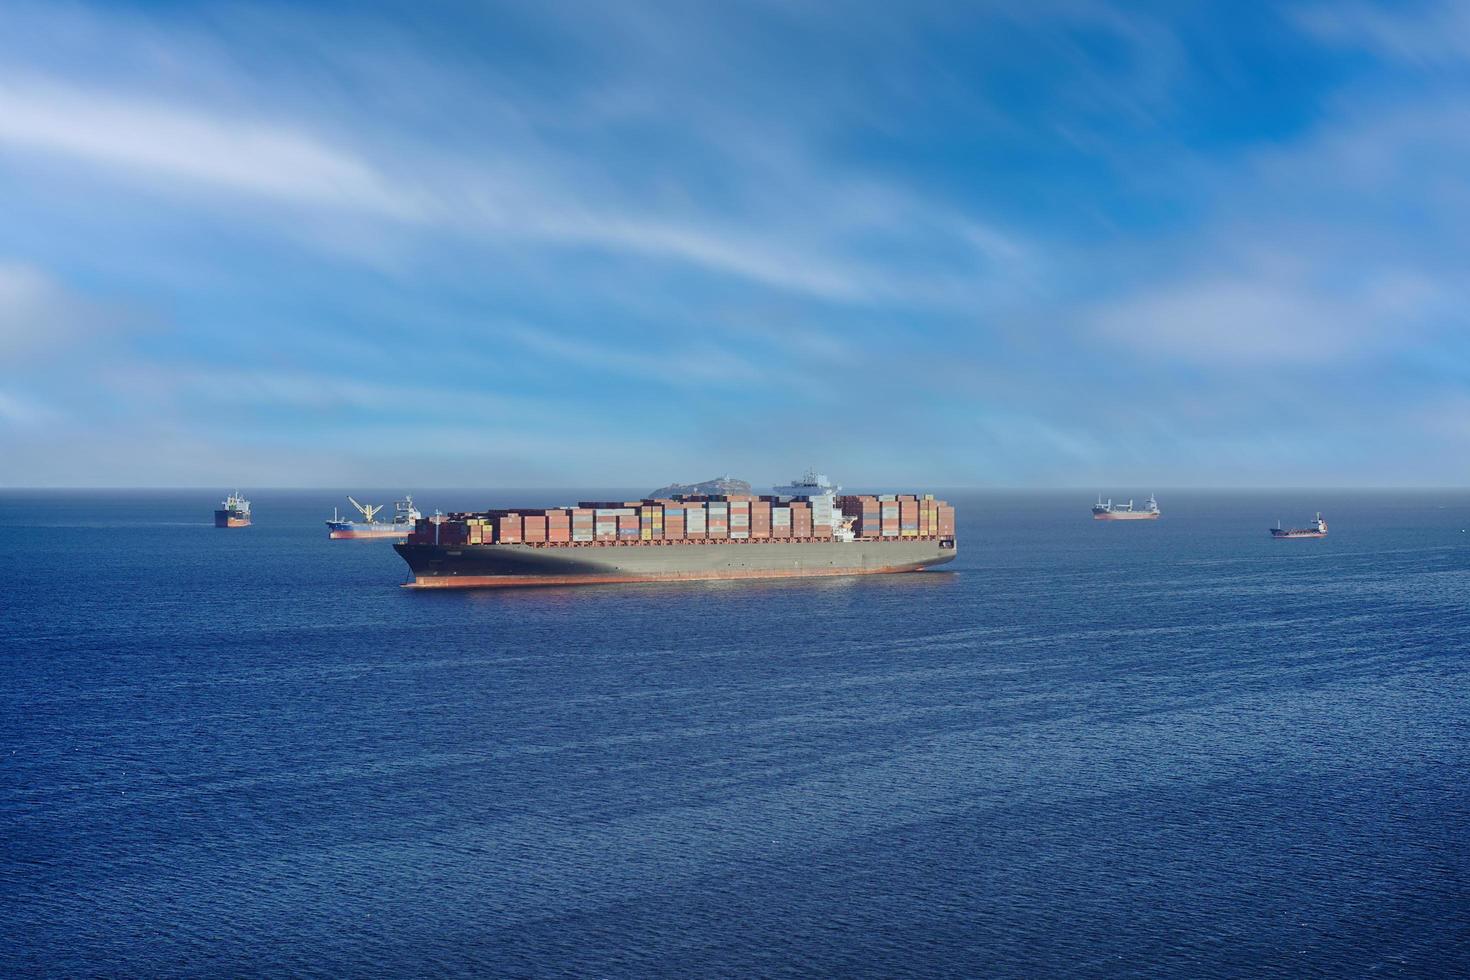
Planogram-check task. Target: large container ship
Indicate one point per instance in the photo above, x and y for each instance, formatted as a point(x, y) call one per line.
point(234, 511)
point(812, 532)
point(404, 516)
point(1124, 512)
point(1317, 529)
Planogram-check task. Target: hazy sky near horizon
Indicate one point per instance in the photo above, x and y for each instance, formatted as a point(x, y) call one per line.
point(1065, 243)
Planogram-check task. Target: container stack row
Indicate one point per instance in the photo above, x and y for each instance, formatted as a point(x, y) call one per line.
point(734, 518)
point(900, 515)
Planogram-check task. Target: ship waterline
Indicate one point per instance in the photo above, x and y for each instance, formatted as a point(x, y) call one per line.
point(510, 565)
point(355, 531)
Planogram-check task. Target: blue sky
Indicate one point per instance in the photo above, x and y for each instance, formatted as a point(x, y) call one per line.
point(1045, 244)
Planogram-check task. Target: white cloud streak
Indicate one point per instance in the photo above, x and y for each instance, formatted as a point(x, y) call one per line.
point(19, 412)
point(1431, 34)
point(241, 154)
point(1262, 320)
point(539, 198)
point(39, 317)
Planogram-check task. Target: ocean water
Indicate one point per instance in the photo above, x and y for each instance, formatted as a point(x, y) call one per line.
point(1167, 749)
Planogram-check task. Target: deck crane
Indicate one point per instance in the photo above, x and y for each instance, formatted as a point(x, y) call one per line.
point(368, 510)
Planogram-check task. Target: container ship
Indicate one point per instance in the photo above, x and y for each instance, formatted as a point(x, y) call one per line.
point(1124, 512)
point(234, 511)
point(1317, 529)
point(404, 516)
point(699, 537)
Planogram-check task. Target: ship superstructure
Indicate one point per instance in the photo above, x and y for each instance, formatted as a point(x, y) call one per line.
point(1110, 511)
point(1317, 529)
point(816, 490)
point(234, 511)
point(804, 529)
point(404, 517)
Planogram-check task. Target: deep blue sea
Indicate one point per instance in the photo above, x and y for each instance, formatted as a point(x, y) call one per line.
point(1167, 749)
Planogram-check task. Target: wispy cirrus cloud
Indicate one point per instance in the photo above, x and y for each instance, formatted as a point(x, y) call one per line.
point(1434, 33)
point(1264, 319)
point(284, 161)
point(958, 230)
point(242, 154)
point(41, 318)
point(24, 412)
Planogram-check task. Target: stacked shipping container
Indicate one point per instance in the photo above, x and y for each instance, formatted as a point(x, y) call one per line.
point(898, 516)
point(732, 518)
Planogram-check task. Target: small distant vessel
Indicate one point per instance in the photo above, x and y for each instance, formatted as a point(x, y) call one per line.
point(1318, 529)
point(404, 516)
point(234, 511)
point(1124, 512)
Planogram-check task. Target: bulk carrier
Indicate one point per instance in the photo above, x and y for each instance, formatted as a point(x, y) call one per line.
point(404, 516)
point(234, 511)
point(1124, 512)
point(804, 530)
point(1317, 529)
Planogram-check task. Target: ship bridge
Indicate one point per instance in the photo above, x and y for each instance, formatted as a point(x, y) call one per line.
point(815, 488)
point(809, 484)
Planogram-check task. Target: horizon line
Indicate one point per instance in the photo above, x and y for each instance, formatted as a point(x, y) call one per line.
point(1018, 488)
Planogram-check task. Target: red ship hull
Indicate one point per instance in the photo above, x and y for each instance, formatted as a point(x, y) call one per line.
point(360, 535)
point(514, 581)
point(510, 565)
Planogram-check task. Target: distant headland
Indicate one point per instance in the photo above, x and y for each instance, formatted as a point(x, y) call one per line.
point(719, 485)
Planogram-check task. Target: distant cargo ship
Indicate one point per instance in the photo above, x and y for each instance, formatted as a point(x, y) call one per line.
point(685, 538)
point(1317, 529)
point(404, 517)
point(234, 511)
point(1124, 512)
